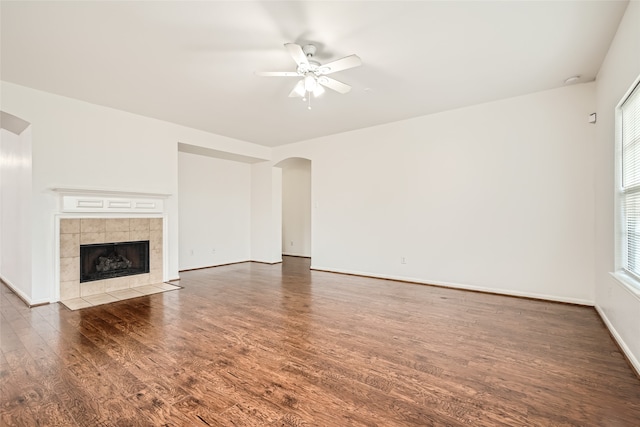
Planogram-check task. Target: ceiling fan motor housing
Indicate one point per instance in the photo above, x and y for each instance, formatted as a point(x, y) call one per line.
point(309, 50)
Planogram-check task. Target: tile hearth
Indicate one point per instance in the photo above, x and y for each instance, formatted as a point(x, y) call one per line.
point(117, 295)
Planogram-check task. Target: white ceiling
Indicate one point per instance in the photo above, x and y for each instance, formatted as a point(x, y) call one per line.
point(193, 63)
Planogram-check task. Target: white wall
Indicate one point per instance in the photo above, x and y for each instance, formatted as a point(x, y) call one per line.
point(619, 307)
point(296, 207)
point(81, 145)
point(266, 213)
point(15, 210)
point(214, 212)
point(495, 197)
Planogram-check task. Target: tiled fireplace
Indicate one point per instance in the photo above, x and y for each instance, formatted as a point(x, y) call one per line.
point(75, 232)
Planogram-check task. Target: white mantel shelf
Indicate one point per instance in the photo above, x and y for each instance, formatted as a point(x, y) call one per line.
point(103, 201)
point(106, 192)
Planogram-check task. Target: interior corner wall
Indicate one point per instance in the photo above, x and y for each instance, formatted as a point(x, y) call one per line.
point(296, 208)
point(215, 205)
point(15, 211)
point(76, 144)
point(496, 197)
point(619, 307)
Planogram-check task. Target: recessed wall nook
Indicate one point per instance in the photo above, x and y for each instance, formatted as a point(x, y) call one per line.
point(111, 246)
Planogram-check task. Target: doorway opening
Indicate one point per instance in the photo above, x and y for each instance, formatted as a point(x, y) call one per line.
point(296, 207)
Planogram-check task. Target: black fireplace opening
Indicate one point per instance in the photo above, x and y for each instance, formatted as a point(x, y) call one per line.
point(108, 260)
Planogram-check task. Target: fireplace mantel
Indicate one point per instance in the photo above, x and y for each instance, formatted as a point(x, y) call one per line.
point(103, 201)
point(94, 215)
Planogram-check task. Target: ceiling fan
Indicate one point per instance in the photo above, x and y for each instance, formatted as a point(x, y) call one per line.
point(313, 74)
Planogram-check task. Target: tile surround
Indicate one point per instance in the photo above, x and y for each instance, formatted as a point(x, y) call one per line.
point(91, 288)
point(69, 226)
point(74, 232)
point(93, 225)
point(139, 224)
point(117, 224)
point(117, 236)
point(69, 245)
point(86, 238)
point(136, 235)
point(70, 268)
point(71, 289)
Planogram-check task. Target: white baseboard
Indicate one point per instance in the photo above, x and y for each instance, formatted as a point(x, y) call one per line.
point(616, 336)
point(24, 297)
point(465, 287)
point(296, 255)
point(271, 262)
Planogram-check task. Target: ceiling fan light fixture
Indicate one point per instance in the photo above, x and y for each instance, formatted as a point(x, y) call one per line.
point(299, 89)
point(310, 83)
point(319, 90)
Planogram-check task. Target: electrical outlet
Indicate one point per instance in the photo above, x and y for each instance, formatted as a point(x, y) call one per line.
point(403, 260)
point(191, 252)
point(291, 242)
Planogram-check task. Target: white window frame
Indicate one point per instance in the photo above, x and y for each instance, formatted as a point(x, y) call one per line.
point(631, 280)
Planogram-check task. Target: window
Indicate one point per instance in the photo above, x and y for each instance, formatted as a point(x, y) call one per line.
point(629, 134)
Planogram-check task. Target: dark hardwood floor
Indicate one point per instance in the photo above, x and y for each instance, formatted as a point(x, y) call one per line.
point(259, 345)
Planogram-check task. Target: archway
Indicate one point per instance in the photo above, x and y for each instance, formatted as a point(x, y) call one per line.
point(296, 206)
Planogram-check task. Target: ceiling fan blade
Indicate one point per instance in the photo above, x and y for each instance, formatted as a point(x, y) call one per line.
point(297, 54)
point(298, 91)
point(345, 63)
point(277, 74)
point(334, 84)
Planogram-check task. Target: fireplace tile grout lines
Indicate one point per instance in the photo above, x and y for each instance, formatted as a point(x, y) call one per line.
point(115, 296)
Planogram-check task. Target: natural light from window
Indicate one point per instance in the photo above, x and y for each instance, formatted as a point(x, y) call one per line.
point(629, 138)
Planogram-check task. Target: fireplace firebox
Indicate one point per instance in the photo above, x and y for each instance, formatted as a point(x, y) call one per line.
point(108, 260)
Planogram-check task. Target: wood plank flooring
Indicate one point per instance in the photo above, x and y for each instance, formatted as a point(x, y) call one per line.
point(259, 345)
